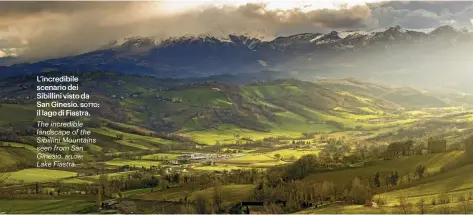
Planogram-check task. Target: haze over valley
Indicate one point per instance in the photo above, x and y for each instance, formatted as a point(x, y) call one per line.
point(273, 107)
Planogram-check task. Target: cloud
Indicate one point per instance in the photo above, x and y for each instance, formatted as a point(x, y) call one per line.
point(423, 14)
point(55, 29)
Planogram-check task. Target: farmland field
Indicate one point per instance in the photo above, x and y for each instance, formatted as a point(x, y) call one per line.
point(331, 146)
point(39, 175)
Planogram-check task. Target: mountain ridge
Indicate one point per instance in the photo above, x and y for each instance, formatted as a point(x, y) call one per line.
point(207, 55)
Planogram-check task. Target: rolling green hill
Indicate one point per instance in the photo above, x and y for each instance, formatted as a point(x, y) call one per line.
point(212, 112)
point(143, 121)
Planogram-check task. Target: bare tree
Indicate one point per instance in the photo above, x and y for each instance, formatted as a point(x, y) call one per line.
point(444, 210)
point(466, 206)
point(421, 206)
point(404, 205)
point(218, 195)
point(127, 207)
point(201, 204)
point(4, 175)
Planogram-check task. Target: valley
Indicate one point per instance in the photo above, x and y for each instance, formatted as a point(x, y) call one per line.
point(186, 146)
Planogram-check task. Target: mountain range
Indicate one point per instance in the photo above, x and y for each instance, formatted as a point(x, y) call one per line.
point(394, 55)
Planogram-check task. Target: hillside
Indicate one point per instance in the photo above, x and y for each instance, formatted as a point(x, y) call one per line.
point(197, 109)
point(242, 131)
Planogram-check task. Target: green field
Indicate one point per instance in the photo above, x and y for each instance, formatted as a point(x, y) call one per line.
point(76, 181)
point(160, 156)
point(233, 193)
point(38, 175)
point(403, 165)
point(133, 163)
point(18, 115)
point(38, 206)
point(454, 183)
point(111, 175)
point(219, 168)
point(287, 153)
point(250, 159)
point(261, 125)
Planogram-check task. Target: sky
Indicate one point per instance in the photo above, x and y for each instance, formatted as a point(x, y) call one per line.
point(42, 30)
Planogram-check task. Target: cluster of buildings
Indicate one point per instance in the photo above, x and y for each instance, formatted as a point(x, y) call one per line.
point(198, 157)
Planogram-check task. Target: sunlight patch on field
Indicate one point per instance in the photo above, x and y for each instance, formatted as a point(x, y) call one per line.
point(160, 156)
point(454, 183)
point(136, 163)
point(38, 175)
point(76, 181)
point(18, 145)
point(250, 159)
point(219, 168)
point(297, 153)
point(402, 165)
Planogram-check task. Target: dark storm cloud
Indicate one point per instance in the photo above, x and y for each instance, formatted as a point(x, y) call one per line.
point(53, 29)
point(64, 28)
point(31, 7)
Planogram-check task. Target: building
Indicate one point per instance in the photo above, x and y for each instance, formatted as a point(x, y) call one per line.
point(194, 156)
point(111, 204)
point(175, 162)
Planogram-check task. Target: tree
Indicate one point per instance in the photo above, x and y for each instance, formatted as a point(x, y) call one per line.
point(37, 188)
point(404, 205)
point(420, 170)
point(218, 196)
point(303, 167)
point(4, 175)
point(104, 183)
point(469, 149)
point(359, 192)
point(394, 178)
point(277, 156)
point(218, 146)
point(421, 206)
point(466, 206)
point(327, 190)
point(127, 207)
point(99, 198)
point(201, 204)
point(377, 182)
point(273, 208)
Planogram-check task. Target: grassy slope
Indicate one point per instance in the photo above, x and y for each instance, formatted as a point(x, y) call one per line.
point(232, 193)
point(455, 183)
point(403, 165)
point(211, 112)
point(43, 206)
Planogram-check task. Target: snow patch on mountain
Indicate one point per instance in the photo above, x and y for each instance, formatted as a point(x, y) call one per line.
point(316, 38)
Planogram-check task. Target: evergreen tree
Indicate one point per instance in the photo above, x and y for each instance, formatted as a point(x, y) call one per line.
point(394, 178)
point(377, 182)
point(99, 197)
